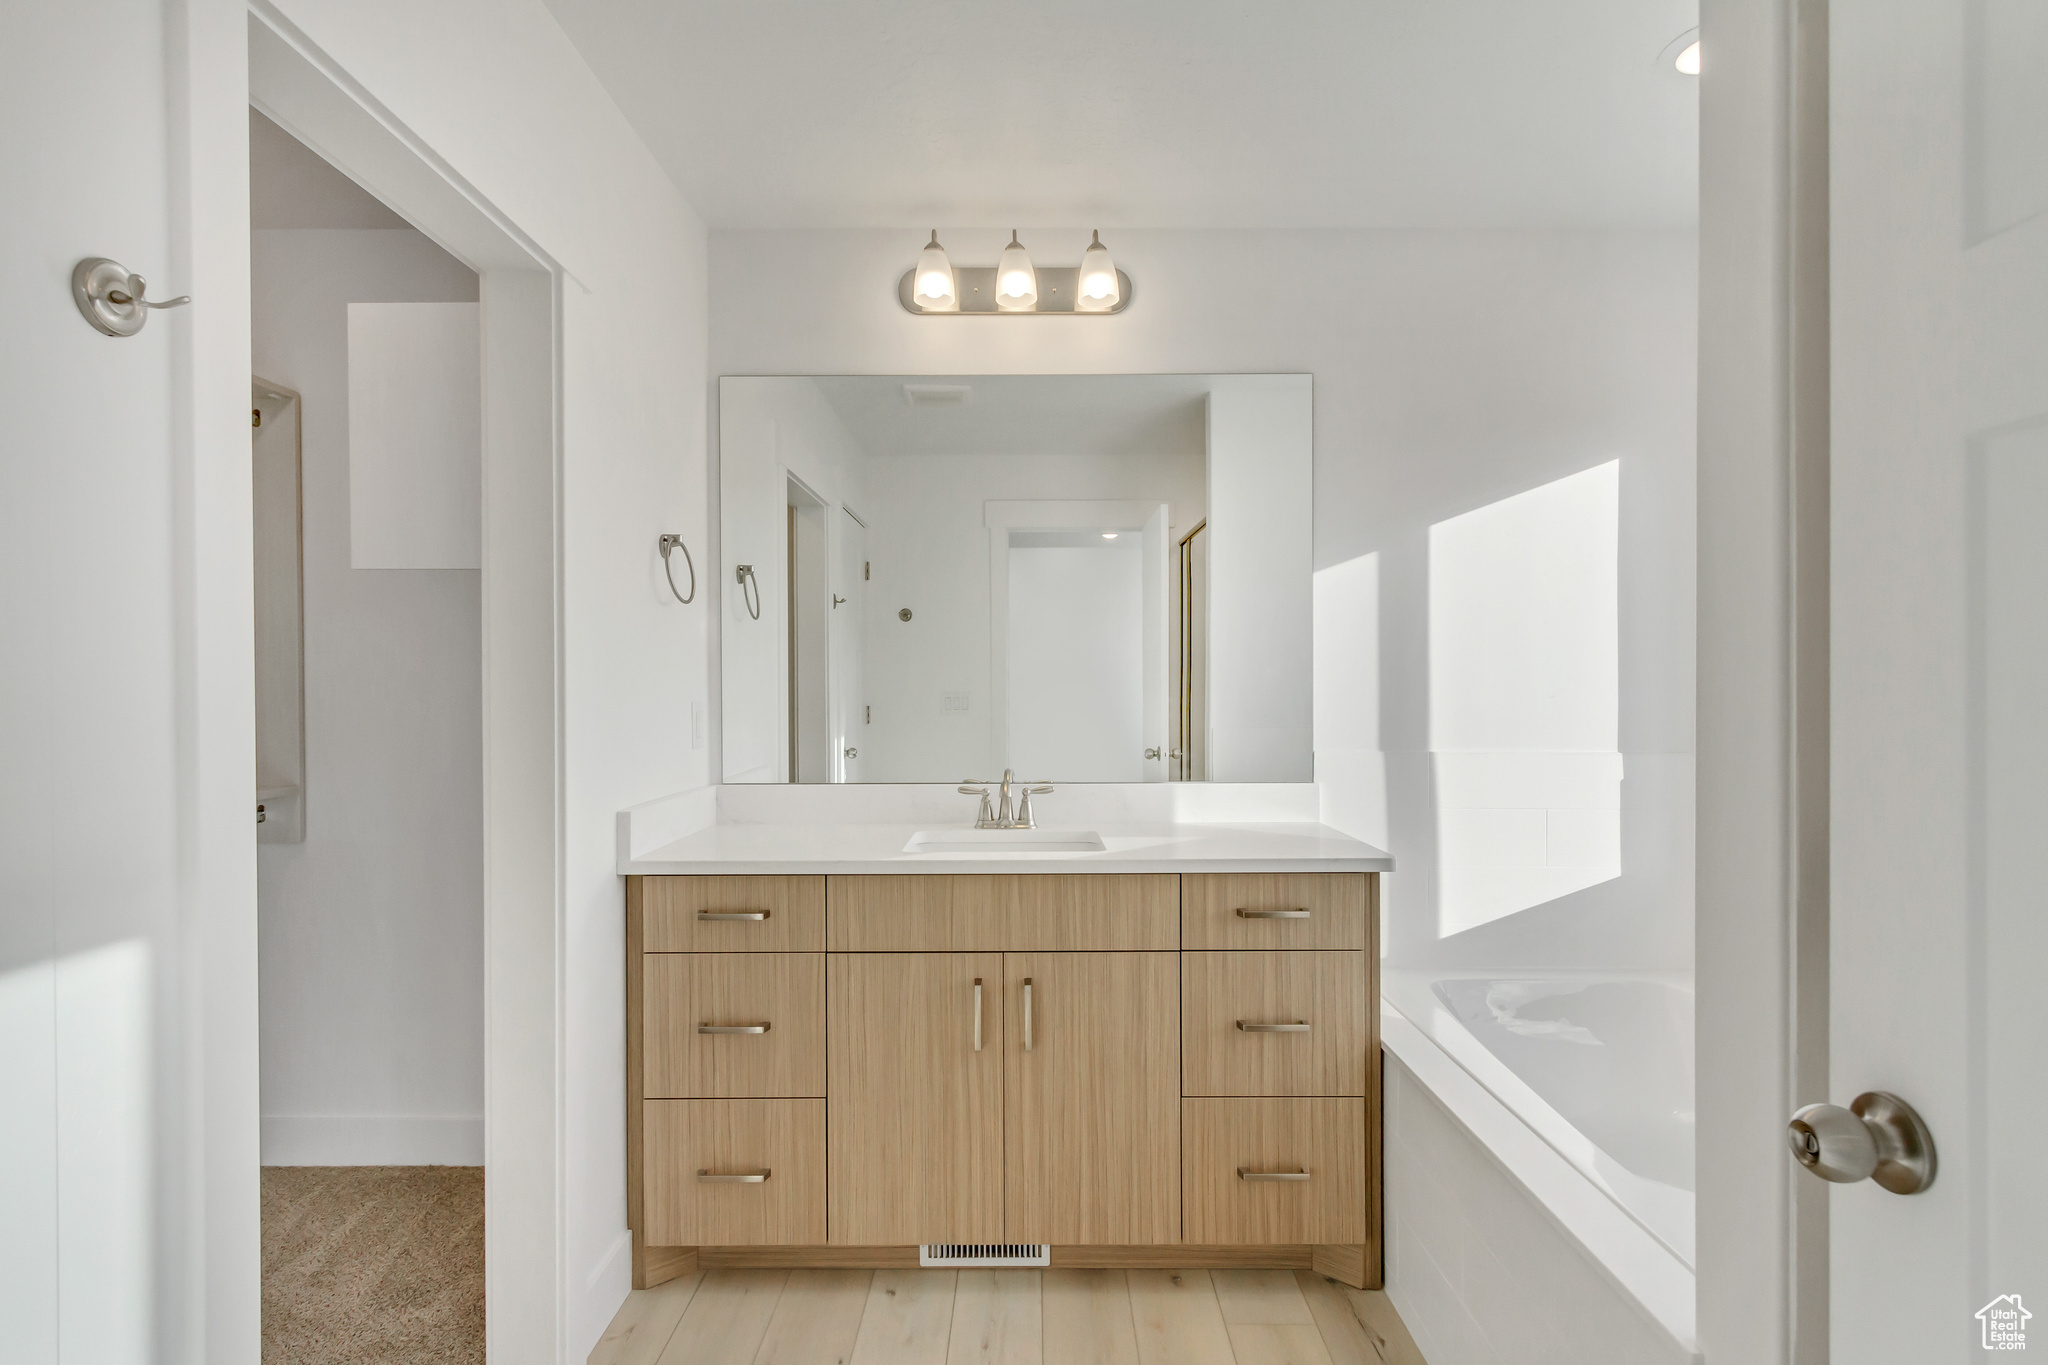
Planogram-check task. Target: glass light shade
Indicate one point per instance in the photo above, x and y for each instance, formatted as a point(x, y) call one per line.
point(932, 285)
point(1098, 290)
point(1016, 281)
point(1688, 62)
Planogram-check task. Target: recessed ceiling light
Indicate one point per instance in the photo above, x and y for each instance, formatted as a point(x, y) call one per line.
point(1109, 535)
point(1682, 54)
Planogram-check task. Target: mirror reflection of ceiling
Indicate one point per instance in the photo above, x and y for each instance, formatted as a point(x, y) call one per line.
point(1192, 113)
point(1018, 415)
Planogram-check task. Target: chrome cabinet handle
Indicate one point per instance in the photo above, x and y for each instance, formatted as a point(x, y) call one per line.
point(1245, 1173)
point(1298, 1026)
point(1243, 913)
point(733, 1028)
point(734, 1178)
point(977, 1014)
point(704, 915)
point(1878, 1137)
point(1027, 1014)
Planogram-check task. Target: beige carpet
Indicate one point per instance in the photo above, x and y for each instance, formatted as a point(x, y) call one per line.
point(373, 1263)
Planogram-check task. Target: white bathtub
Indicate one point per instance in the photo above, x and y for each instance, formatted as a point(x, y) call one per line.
point(1578, 1090)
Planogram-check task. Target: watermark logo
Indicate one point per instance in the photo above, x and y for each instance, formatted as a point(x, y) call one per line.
point(2005, 1323)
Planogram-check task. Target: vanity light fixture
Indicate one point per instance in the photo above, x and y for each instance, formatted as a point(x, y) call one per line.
point(936, 291)
point(1688, 61)
point(1098, 289)
point(1016, 281)
point(1109, 535)
point(1014, 286)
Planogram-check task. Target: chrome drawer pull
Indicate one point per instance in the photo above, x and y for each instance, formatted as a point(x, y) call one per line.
point(1245, 1173)
point(1298, 1026)
point(977, 1014)
point(1243, 913)
point(1027, 1014)
point(732, 914)
point(736, 1178)
point(733, 1028)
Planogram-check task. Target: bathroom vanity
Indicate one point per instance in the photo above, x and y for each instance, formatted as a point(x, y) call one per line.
point(1162, 1054)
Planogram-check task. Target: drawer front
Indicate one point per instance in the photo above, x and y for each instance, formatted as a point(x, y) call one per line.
point(731, 914)
point(1003, 913)
point(1277, 910)
point(1323, 1137)
point(1242, 1018)
point(781, 1139)
point(690, 993)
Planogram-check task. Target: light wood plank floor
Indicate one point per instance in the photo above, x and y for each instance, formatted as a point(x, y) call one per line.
point(1006, 1317)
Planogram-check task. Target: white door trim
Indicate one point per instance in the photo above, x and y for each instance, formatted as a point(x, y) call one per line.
point(299, 87)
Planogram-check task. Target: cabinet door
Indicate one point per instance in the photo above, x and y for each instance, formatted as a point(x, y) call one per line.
point(1093, 1098)
point(915, 1148)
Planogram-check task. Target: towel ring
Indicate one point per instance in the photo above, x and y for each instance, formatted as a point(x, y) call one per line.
point(675, 542)
point(744, 576)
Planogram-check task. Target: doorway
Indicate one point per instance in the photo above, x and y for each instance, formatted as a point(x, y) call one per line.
point(368, 579)
point(301, 89)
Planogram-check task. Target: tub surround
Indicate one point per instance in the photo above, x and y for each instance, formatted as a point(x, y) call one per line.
point(1498, 1248)
point(1164, 1053)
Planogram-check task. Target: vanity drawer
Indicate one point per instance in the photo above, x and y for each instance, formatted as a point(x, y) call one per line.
point(1323, 1138)
point(687, 992)
point(1015, 913)
point(1242, 1017)
point(1277, 910)
point(730, 914)
point(781, 1140)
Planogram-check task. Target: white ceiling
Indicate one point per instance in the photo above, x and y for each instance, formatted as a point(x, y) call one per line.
point(1103, 415)
point(1157, 113)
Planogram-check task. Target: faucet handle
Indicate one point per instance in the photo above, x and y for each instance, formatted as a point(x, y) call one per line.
point(985, 818)
point(1038, 791)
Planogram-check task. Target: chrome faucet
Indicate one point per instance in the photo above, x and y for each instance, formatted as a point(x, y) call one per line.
point(1004, 814)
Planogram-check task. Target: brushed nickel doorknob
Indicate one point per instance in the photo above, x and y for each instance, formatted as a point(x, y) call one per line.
point(1878, 1137)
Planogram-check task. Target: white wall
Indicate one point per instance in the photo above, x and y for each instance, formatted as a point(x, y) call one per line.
point(502, 97)
point(1452, 370)
point(372, 929)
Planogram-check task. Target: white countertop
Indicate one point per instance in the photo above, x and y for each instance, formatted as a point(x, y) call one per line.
point(755, 849)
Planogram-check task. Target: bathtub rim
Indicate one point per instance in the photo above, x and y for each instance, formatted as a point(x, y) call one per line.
point(1638, 1264)
point(1404, 987)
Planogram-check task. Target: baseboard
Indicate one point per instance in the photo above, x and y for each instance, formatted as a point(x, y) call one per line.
point(1172, 1256)
point(372, 1140)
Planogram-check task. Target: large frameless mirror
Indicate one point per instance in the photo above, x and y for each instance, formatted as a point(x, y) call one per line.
point(1084, 578)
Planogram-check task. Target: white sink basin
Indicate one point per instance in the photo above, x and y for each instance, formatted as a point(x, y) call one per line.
point(1004, 841)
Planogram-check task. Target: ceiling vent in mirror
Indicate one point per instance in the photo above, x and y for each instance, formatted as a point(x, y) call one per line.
point(1017, 287)
point(938, 395)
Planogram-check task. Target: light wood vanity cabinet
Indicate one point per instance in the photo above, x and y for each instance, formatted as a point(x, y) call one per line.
point(1151, 1069)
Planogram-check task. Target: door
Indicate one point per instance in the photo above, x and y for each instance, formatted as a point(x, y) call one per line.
point(915, 1114)
point(128, 1111)
point(849, 613)
point(1938, 927)
point(1092, 1113)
